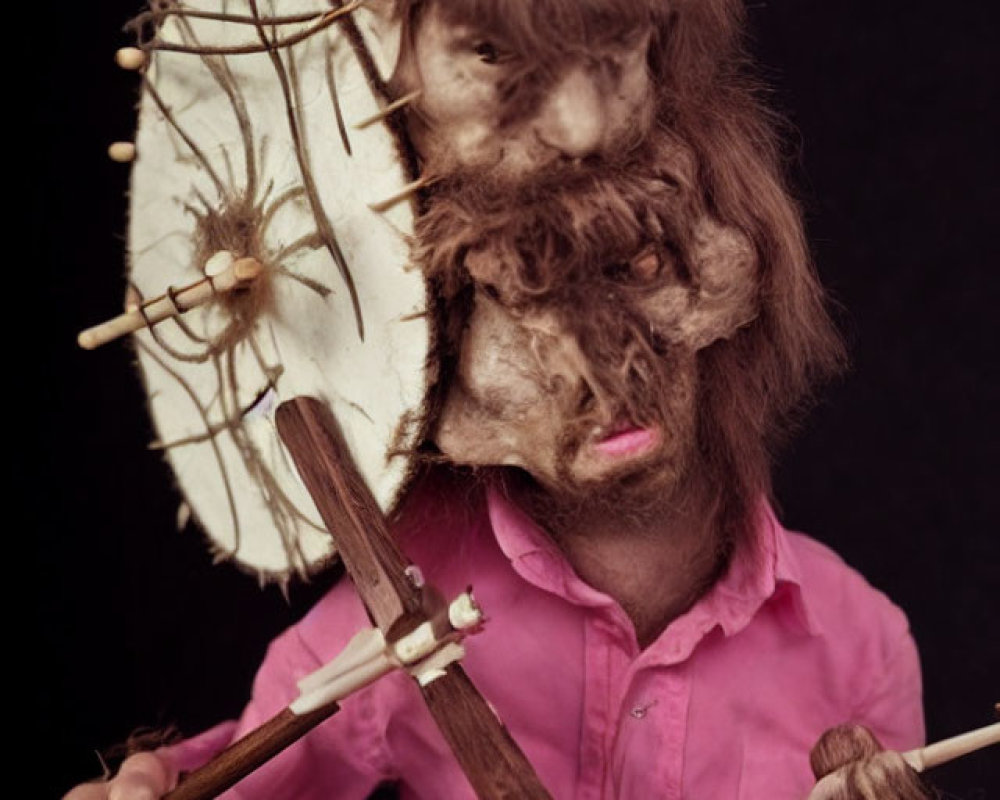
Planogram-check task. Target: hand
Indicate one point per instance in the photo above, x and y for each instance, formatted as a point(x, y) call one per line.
point(850, 764)
point(143, 776)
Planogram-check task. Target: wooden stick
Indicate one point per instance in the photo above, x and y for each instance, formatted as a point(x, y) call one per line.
point(387, 110)
point(237, 275)
point(402, 194)
point(489, 756)
point(947, 749)
point(371, 556)
point(493, 763)
point(245, 755)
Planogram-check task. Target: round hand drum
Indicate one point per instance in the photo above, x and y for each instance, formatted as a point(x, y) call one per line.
point(252, 144)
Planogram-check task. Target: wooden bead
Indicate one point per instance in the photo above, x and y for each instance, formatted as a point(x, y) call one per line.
point(131, 58)
point(122, 152)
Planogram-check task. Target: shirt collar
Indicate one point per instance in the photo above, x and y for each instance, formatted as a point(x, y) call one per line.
point(764, 570)
point(533, 553)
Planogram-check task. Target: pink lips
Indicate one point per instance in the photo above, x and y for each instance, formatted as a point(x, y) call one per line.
point(630, 441)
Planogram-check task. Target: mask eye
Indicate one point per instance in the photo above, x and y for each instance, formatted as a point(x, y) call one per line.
point(649, 266)
point(646, 266)
point(491, 292)
point(488, 52)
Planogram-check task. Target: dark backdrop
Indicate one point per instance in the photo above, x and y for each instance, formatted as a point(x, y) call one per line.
point(892, 106)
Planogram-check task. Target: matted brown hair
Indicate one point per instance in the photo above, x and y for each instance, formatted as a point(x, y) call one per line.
point(753, 384)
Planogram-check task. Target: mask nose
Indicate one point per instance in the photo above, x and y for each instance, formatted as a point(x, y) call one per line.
point(572, 119)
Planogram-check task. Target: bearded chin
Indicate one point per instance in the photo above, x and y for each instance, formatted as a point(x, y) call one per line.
point(638, 497)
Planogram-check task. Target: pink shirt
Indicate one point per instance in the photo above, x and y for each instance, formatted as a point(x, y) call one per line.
point(726, 703)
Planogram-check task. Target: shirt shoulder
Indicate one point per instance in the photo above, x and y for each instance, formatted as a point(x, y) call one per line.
point(871, 659)
point(839, 597)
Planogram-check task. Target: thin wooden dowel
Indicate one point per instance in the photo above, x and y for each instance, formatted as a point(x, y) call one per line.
point(947, 749)
point(244, 756)
point(384, 112)
point(408, 190)
point(239, 274)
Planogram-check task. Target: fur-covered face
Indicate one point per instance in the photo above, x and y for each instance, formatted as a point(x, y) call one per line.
point(487, 105)
point(587, 298)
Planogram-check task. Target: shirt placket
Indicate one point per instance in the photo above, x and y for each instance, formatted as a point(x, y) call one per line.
point(647, 755)
point(600, 643)
point(635, 717)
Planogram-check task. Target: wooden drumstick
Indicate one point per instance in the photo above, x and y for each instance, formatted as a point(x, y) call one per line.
point(947, 749)
point(243, 756)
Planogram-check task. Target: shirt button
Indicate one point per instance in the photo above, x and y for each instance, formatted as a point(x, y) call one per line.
point(640, 711)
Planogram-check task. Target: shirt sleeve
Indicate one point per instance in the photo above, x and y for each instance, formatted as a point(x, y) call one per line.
point(189, 754)
point(343, 757)
point(893, 709)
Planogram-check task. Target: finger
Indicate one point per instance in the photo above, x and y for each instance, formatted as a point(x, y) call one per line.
point(96, 790)
point(141, 777)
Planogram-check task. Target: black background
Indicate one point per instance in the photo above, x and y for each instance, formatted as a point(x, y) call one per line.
point(893, 106)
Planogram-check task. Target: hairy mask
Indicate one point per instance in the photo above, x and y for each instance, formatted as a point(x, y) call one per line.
point(651, 293)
